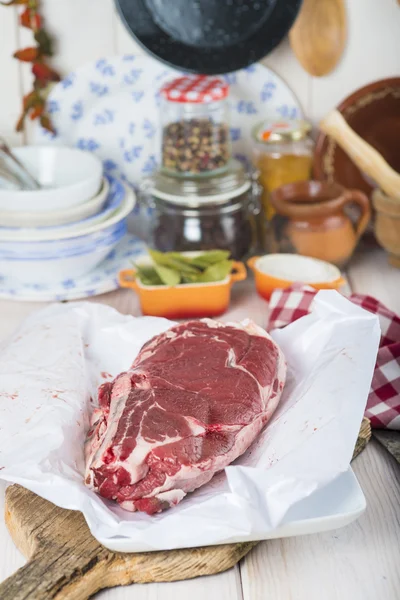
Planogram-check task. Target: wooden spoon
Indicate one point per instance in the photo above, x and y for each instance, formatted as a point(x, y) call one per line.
point(362, 154)
point(318, 35)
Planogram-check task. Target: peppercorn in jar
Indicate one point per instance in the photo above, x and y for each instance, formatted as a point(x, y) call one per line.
point(195, 126)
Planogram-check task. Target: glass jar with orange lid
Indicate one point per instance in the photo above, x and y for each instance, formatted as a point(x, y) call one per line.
point(282, 153)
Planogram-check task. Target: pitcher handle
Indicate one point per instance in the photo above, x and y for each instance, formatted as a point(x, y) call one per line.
point(361, 199)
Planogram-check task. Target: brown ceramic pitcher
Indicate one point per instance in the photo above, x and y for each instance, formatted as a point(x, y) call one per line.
point(318, 224)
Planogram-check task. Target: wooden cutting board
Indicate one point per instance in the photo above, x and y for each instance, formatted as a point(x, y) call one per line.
point(67, 563)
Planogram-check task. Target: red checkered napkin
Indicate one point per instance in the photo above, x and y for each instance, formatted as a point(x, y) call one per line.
point(383, 406)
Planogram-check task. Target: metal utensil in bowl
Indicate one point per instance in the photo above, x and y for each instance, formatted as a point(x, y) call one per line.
point(14, 165)
point(8, 180)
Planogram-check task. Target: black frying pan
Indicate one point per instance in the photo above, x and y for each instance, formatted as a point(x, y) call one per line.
point(208, 36)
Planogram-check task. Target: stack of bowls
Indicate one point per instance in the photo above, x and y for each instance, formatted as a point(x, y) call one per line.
point(66, 228)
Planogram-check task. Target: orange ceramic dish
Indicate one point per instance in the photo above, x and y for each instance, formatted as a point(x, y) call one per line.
point(279, 271)
point(185, 300)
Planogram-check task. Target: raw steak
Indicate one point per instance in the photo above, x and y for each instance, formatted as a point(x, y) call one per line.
point(194, 400)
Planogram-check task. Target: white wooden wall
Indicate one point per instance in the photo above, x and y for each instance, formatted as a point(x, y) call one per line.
point(88, 29)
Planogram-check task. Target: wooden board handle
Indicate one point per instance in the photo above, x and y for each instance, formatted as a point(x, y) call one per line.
point(74, 576)
point(362, 154)
point(36, 579)
point(46, 577)
point(67, 563)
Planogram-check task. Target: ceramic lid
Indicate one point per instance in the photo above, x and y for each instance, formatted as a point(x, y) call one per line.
point(292, 130)
point(200, 191)
point(197, 89)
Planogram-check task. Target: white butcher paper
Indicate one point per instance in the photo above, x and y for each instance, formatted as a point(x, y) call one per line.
point(49, 373)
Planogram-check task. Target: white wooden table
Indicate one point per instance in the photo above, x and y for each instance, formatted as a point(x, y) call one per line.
point(358, 562)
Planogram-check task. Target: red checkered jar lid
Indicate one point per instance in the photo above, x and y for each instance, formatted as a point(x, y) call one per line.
point(195, 89)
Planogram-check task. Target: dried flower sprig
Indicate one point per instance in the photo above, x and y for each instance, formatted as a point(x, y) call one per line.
point(34, 103)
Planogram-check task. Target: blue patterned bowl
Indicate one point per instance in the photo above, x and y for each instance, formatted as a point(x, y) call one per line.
point(42, 262)
point(113, 202)
point(38, 261)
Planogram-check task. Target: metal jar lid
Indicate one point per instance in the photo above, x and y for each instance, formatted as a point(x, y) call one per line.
point(195, 192)
point(270, 132)
point(195, 89)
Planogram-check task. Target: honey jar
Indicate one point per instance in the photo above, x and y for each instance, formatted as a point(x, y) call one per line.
point(282, 153)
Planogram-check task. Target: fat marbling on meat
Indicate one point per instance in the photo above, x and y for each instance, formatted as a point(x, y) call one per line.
point(194, 400)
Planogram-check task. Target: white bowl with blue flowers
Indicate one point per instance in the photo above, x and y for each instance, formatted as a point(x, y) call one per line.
point(68, 256)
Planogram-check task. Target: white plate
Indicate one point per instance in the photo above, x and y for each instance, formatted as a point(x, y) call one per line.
point(99, 281)
point(127, 206)
point(52, 218)
point(336, 505)
point(110, 107)
point(115, 197)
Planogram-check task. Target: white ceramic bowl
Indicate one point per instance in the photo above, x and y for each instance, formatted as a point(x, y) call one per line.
point(52, 218)
point(69, 177)
point(117, 192)
point(62, 233)
point(65, 259)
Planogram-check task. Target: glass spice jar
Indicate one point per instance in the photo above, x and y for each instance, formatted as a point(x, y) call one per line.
point(198, 214)
point(282, 153)
point(195, 126)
